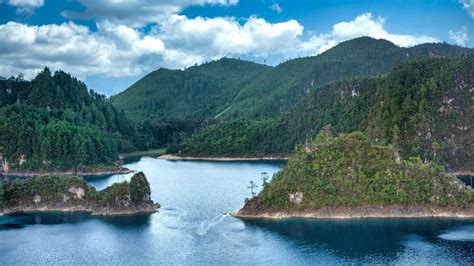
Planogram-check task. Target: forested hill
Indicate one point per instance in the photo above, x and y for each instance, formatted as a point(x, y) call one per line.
point(423, 108)
point(347, 176)
point(279, 89)
point(231, 88)
point(54, 121)
point(195, 93)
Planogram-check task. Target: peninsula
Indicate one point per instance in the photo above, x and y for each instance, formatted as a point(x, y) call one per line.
point(73, 194)
point(349, 177)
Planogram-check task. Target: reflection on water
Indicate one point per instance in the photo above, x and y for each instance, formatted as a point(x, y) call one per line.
point(20, 220)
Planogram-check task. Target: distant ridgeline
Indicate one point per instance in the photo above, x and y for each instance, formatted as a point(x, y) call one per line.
point(424, 108)
point(53, 121)
point(347, 177)
point(285, 105)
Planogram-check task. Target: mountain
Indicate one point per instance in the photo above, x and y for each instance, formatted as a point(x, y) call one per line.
point(349, 177)
point(195, 93)
point(280, 88)
point(424, 108)
point(54, 121)
point(229, 89)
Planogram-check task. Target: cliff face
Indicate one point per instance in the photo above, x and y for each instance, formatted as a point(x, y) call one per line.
point(74, 194)
point(348, 177)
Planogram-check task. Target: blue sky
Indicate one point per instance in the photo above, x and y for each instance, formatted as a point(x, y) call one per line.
point(111, 44)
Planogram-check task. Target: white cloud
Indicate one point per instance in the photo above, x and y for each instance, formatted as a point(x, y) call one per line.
point(118, 50)
point(23, 3)
point(24, 6)
point(459, 37)
point(468, 5)
point(112, 50)
point(363, 25)
point(276, 7)
point(137, 13)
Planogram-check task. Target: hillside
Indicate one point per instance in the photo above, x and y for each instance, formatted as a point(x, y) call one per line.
point(347, 177)
point(193, 94)
point(54, 121)
point(424, 108)
point(279, 89)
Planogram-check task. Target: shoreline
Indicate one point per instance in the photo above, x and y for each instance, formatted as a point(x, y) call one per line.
point(117, 171)
point(361, 213)
point(82, 209)
point(170, 157)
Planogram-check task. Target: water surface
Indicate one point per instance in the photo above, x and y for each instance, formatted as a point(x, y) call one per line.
point(192, 228)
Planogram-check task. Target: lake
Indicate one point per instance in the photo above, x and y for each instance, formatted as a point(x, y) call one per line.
point(192, 227)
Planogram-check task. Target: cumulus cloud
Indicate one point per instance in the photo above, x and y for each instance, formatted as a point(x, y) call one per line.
point(366, 25)
point(468, 5)
point(137, 13)
point(119, 50)
point(459, 37)
point(112, 50)
point(24, 6)
point(276, 7)
point(218, 37)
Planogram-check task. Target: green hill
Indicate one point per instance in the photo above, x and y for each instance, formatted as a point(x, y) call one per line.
point(425, 108)
point(195, 93)
point(282, 87)
point(347, 176)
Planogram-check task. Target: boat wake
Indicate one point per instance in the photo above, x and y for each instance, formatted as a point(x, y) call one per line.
point(461, 234)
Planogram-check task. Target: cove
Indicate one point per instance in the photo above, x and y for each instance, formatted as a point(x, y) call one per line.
point(192, 228)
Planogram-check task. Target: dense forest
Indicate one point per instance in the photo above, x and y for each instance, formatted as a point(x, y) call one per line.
point(232, 107)
point(54, 121)
point(424, 108)
point(350, 171)
point(167, 106)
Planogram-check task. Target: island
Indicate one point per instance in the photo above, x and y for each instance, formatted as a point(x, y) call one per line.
point(73, 194)
point(347, 176)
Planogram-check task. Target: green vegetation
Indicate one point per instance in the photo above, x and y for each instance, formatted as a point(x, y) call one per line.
point(196, 93)
point(348, 171)
point(64, 192)
point(418, 106)
point(152, 153)
point(139, 188)
point(279, 89)
point(55, 122)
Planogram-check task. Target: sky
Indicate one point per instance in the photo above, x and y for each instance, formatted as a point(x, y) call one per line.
point(110, 44)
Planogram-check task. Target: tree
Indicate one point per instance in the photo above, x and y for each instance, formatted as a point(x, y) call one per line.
point(436, 146)
point(252, 188)
point(265, 178)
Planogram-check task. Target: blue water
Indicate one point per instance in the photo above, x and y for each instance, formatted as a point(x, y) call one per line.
point(192, 227)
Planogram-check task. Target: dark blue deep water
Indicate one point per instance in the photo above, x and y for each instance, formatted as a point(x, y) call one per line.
point(192, 228)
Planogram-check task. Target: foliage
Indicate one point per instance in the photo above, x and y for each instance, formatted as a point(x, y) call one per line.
point(350, 171)
point(54, 189)
point(55, 122)
point(416, 105)
point(139, 188)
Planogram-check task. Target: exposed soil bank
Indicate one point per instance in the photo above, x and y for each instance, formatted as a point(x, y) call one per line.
point(361, 212)
point(190, 158)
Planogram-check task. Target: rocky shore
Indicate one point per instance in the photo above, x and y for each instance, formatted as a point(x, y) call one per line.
point(73, 194)
point(171, 157)
point(395, 211)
